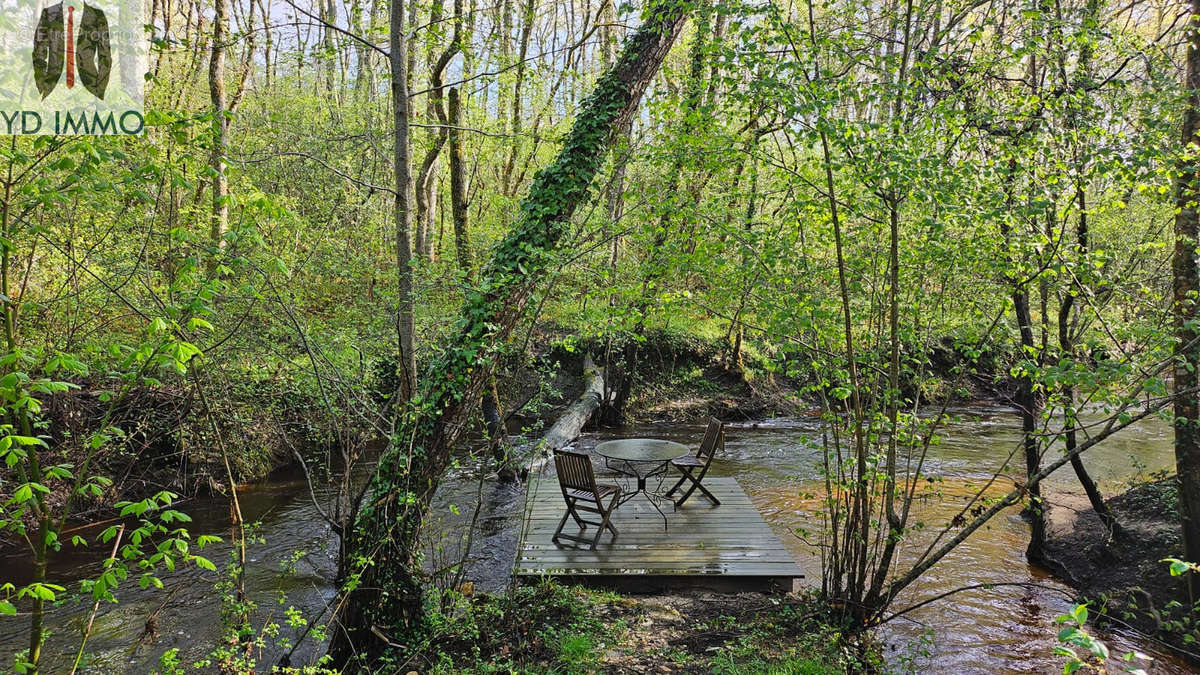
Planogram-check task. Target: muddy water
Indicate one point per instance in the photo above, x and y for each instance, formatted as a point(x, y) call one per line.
point(1007, 630)
point(998, 630)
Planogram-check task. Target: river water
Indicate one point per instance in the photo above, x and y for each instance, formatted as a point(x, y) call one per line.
point(776, 461)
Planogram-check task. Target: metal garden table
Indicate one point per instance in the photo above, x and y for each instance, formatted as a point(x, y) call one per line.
point(641, 458)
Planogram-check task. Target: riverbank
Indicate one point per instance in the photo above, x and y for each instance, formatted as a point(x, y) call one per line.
point(1004, 629)
point(161, 436)
point(1123, 576)
point(553, 628)
point(682, 378)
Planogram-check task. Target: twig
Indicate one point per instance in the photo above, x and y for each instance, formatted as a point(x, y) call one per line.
point(972, 587)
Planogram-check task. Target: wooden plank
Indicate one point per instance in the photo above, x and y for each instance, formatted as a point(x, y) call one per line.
point(772, 568)
point(644, 553)
point(701, 540)
point(648, 526)
point(672, 526)
point(696, 502)
point(777, 569)
point(624, 541)
point(695, 567)
point(688, 510)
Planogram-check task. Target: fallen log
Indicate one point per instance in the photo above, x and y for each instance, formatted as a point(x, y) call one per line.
point(567, 428)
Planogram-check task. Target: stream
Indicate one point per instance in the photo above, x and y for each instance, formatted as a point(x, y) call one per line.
point(776, 461)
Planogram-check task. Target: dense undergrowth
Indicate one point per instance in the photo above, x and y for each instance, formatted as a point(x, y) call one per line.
point(551, 628)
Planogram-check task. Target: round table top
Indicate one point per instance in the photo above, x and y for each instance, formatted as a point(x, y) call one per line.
point(641, 450)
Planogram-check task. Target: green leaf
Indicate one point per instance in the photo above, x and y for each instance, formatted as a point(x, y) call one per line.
point(1080, 613)
point(1178, 567)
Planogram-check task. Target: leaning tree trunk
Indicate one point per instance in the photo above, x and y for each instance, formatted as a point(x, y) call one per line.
point(1026, 399)
point(1066, 342)
point(575, 417)
point(385, 591)
point(1078, 111)
point(1185, 284)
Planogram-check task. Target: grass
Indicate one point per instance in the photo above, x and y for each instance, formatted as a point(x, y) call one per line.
point(547, 628)
point(793, 637)
point(551, 628)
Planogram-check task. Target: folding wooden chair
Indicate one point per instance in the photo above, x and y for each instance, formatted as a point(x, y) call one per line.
point(581, 493)
point(694, 467)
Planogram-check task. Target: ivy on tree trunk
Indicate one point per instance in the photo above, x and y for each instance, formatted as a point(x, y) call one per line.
point(385, 599)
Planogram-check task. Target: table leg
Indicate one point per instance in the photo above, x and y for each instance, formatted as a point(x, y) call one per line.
point(631, 470)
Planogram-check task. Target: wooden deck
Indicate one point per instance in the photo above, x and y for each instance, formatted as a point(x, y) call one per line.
point(728, 546)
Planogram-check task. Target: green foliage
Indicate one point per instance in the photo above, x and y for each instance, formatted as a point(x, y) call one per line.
point(1180, 567)
point(712, 226)
point(547, 627)
point(792, 638)
point(243, 640)
point(551, 628)
point(169, 664)
point(1093, 653)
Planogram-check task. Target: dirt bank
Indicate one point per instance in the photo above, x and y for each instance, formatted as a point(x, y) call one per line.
point(1123, 575)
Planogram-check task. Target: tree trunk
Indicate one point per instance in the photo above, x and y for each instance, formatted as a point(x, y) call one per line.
point(736, 332)
point(328, 59)
point(1027, 408)
point(383, 546)
point(401, 211)
point(576, 416)
point(1066, 343)
point(504, 48)
point(220, 142)
point(1026, 400)
point(493, 421)
point(1185, 284)
point(526, 31)
point(652, 268)
point(426, 195)
point(458, 186)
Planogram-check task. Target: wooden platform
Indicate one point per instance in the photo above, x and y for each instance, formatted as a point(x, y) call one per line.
point(728, 546)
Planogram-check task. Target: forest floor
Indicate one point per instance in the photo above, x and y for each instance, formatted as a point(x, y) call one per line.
point(1123, 576)
point(554, 628)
